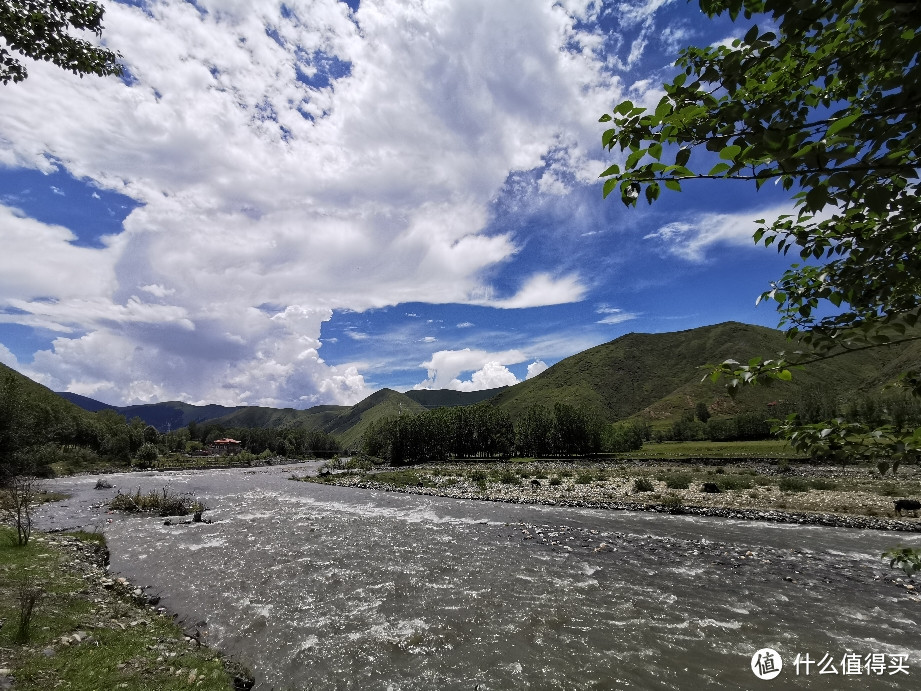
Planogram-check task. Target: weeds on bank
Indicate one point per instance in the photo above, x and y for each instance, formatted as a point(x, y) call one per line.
point(57, 634)
point(163, 503)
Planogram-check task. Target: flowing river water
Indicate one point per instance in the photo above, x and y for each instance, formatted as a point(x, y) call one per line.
point(324, 587)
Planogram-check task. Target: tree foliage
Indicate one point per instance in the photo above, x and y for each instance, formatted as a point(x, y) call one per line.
point(40, 29)
point(826, 103)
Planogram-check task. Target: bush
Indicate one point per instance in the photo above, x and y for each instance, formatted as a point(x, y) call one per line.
point(146, 456)
point(584, 479)
point(164, 503)
point(732, 482)
point(673, 503)
point(509, 478)
point(823, 484)
point(793, 484)
point(679, 481)
point(479, 478)
point(555, 482)
point(882, 466)
point(642, 484)
point(711, 488)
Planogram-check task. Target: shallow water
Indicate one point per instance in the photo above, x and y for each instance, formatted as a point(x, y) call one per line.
point(332, 588)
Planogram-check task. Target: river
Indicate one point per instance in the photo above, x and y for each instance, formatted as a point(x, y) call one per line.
point(324, 587)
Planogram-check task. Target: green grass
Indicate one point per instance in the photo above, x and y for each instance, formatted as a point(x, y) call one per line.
point(113, 657)
point(770, 448)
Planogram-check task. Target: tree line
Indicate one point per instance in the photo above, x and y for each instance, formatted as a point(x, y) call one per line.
point(36, 434)
point(485, 431)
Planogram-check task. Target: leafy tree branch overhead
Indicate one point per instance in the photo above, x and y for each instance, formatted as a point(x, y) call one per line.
point(41, 30)
point(825, 103)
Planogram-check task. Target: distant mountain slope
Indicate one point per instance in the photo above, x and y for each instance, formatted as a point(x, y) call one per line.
point(650, 376)
point(255, 416)
point(24, 399)
point(89, 404)
point(448, 398)
point(350, 426)
point(657, 376)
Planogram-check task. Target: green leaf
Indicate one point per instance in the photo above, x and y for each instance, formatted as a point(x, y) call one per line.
point(656, 151)
point(839, 125)
point(682, 157)
point(609, 186)
point(610, 170)
point(605, 118)
point(719, 168)
point(730, 152)
point(673, 185)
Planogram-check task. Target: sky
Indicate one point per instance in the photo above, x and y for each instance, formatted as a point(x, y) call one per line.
point(300, 203)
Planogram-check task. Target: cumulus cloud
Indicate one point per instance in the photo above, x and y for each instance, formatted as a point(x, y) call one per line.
point(491, 376)
point(8, 358)
point(264, 178)
point(536, 368)
point(445, 367)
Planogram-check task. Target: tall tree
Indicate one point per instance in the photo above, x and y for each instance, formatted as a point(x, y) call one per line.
point(828, 106)
point(40, 29)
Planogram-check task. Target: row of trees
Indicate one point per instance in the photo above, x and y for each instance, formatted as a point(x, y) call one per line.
point(484, 431)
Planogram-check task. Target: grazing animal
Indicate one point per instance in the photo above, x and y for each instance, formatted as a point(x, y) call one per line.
point(711, 488)
point(907, 505)
point(535, 483)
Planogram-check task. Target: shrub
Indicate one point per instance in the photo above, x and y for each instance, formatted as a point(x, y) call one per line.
point(642, 484)
point(673, 503)
point(823, 484)
point(889, 490)
point(732, 482)
point(146, 456)
point(555, 482)
point(359, 463)
point(164, 502)
point(711, 488)
point(679, 481)
point(793, 484)
point(905, 558)
point(882, 467)
point(479, 478)
point(584, 479)
point(509, 478)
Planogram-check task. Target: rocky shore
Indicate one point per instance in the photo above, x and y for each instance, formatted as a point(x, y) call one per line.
point(849, 498)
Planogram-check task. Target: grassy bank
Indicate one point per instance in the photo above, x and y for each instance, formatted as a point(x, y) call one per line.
point(87, 631)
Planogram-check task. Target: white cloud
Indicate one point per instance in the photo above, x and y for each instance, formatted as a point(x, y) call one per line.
point(691, 238)
point(465, 325)
point(614, 315)
point(491, 376)
point(543, 289)
point(536, 368)
point(256, 187)
point(8, 358)
point(445, 367)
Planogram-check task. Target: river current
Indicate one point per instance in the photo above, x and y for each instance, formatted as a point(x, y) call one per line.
point(322, 587)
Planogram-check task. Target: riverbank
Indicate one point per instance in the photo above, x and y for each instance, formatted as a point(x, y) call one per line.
point(90, 631)
point(750, 489)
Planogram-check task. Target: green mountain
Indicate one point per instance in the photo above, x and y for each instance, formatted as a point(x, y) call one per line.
point(36, 400)
point(448, 398)
point(256, 416)
point(655, 377)
point(658, 376)
point(350, 426)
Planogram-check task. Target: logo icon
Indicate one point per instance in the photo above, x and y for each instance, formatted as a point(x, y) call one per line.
point(766, 663)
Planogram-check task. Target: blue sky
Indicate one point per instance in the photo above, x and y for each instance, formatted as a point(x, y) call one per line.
point(297, 203)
